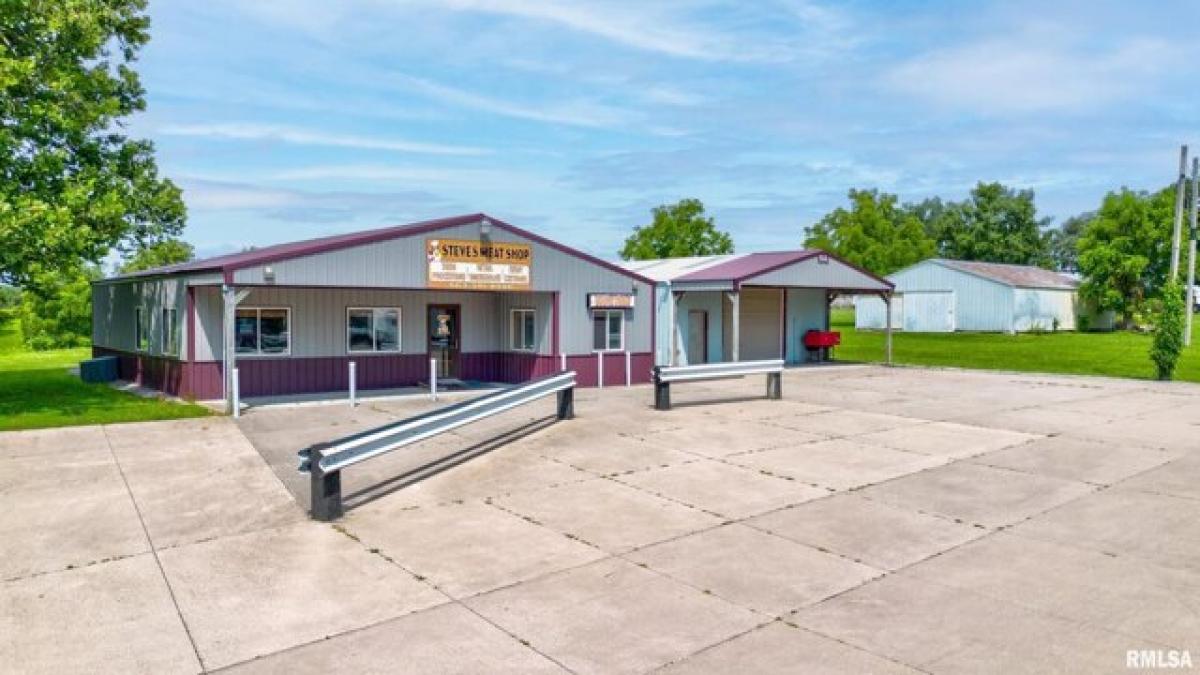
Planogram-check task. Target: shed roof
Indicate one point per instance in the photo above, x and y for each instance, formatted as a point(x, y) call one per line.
point(298, 249)
point(1019, 276)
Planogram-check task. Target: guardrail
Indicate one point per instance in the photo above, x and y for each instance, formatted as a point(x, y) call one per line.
point(324, 462)
point(665, 375)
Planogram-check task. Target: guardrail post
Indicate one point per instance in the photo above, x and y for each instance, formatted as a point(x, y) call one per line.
point(566, 404)
point(662, 392)
point(599, 370)
point(433, 379)
point(775, 385)
point(628, 372)
point(326, 488)
point(237, 394)
point(353, 384)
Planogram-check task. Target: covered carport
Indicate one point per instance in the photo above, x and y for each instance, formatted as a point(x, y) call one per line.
point(750, 306)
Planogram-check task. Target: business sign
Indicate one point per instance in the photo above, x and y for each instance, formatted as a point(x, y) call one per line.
point(610, 300)
point(478, 265)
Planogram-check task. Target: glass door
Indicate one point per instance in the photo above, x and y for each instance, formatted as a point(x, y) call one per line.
point(444, 339)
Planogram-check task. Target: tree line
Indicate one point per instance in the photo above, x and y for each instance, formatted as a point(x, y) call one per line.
point(1121, 250)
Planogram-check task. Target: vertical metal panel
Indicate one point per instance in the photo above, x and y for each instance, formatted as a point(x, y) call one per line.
point(759, 323)
point(400, 263)
point(929, 312)
point(805, 312)
point(1038, 309)
point(113, 313)
point(870, 312)
point(812, 273)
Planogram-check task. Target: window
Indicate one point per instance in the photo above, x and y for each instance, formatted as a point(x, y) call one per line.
point(262, 330)
point(170, 332)
point(521, 330)
point(373, 329)
point(141, 336)
point(608, 330)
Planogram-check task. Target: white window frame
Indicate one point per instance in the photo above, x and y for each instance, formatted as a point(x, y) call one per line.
point(512, 316)
point(374, 346)
point(140, 330)
point(608, 313)
point(258, 353)
point(170, 331)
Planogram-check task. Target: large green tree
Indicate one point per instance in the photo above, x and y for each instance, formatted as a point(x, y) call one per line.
point(159, 254)
point(874, 233)
point(1125, 250)
point(994, 224)
point(73, 186)
point(56, 312)
point(676, 231)
point(1064, 242)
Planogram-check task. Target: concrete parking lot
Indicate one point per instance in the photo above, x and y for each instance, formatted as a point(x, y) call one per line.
point(876, 520)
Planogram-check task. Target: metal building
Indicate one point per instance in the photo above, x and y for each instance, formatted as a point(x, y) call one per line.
point(942, 296)
point(748, 306)
point(489, 301)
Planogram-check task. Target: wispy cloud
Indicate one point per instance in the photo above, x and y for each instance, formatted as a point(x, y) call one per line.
point(427, 176)
point(1034, 71)
point(320, 206)
point(294, 136)
point(575, 113)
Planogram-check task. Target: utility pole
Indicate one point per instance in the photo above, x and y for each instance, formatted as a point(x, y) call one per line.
point(1191, 275)
point(1180, 186)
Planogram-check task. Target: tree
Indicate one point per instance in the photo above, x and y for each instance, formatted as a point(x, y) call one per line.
point(10, 298)
point(1168, 331)
point(159, 254)
point(995, 224)
point(1064, 242)
point(1124, 251)
point(57, 312)
point(874, 233)
point(929, 211)
point(676, 231)
point(72, 185)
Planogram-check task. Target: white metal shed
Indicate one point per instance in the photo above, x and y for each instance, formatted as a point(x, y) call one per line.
point(942, 296)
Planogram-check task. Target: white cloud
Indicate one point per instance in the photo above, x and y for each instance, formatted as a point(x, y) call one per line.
point(458, 179)
point(1031, 72)
point(574, 113)
point(294, 136)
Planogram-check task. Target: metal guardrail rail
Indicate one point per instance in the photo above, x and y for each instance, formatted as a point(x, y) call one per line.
point(665, 375)
point(324, 462)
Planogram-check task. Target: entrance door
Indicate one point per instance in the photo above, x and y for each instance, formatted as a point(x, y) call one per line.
point(697, 341)
point(444, 338)
point(929, 312)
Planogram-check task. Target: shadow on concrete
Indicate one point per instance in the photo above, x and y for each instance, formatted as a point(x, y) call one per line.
point(384, 488)
point(700, 403)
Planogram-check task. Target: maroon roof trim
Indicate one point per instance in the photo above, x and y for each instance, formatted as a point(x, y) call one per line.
point(228, 264)
point(739, 270)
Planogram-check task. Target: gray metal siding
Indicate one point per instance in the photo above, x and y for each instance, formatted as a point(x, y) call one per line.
point(113, 314)
point(811, 273)
point(709, 302)
point(805, 312)
point(400, 263)
point(1039, 308)
point(980, 304)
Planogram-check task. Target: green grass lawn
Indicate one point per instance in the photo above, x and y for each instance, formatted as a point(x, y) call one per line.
point(1118, 354)
point(37, 390)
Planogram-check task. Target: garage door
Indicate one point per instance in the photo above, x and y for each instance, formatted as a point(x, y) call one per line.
point(760, 324)
point(929, 311)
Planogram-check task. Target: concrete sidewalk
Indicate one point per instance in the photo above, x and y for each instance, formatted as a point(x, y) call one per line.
point(876, 520)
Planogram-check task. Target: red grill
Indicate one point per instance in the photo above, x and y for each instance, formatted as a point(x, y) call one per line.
point(822, 339)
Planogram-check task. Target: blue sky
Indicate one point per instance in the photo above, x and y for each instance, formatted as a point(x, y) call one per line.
point(298, 118)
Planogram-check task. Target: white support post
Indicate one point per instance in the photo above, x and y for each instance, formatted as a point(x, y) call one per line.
point(562, 361)
point(1190, 296)
point(599, 370)
point(433, 379)
point(353, 384)
point(736, 325)
point(236, 391)
point(887, 331)
point(228, 345)
point(628, 370)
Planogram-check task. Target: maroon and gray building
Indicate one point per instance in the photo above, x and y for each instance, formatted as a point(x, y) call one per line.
point(491, 302)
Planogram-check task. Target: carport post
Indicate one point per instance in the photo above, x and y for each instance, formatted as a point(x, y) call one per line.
point(735, 325)
point(230, 297)
point(887, 328)
point(326, 488)
point(237, 394)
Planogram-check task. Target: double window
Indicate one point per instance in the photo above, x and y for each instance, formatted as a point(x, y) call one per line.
point(608, 330)
point(522, 331)
point(170, 332)
point(373, 329)
point(263, 330)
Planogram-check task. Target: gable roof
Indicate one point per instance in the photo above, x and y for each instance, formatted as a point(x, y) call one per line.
point(227, 264)
point(732, 269)
point(1018, 276)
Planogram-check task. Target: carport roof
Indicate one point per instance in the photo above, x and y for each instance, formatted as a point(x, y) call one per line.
point(732, 269)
